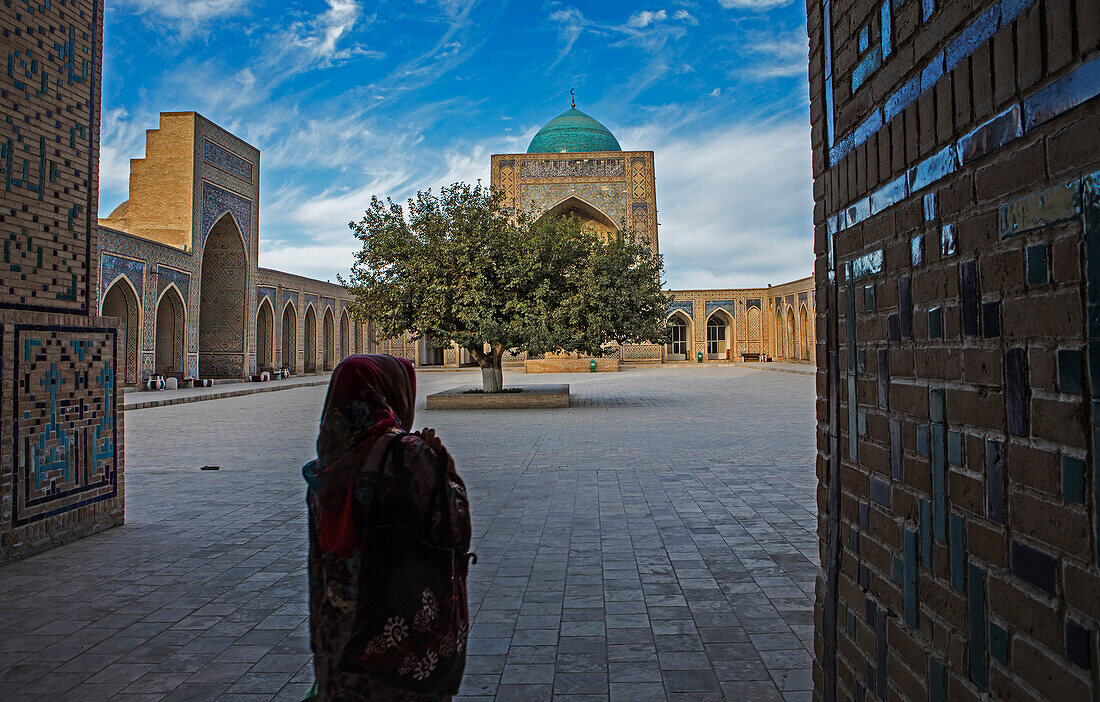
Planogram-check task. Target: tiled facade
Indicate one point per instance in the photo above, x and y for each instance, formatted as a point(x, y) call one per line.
point(615, 189)
point(61, 457)
point(957, 230)
point(182, 251)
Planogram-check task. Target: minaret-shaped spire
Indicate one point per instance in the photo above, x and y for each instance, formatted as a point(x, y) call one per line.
point(573, 98)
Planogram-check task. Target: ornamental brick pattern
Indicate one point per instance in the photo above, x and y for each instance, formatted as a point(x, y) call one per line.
point(957, 233)
point(61, 463)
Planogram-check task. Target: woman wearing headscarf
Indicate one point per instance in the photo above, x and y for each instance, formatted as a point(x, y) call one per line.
point(389, 534)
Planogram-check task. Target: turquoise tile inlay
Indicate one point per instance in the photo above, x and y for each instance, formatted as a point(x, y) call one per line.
point(936, 686)
point(925, 512)
point(935, 323)
point(939, 483)
point(975, 608)
point(998, 642)
point(958, 552)
point(955, 448)
point(1073, 479)
point(910, 593)
point(1070, 373)
point(1036, 263)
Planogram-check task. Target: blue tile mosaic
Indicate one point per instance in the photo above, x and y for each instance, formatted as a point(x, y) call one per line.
point(1035, 258)
point(905, 306)
point(969, 297)
point(909, 596)
point(217, 201)
point(998, 642)
point(1036, 567)
point(957, 543)
point(1017, 391)
point(916, 250)
point(883, 379)
point(226, 160)
point(948, 240)
point(1073, 479)
point(1064, 94)
point(1070, 371)
point(991, 135)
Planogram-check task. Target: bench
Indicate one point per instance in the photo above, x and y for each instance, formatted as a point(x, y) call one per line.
point(751, 356)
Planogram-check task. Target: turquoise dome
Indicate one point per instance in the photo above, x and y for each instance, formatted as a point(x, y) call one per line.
point(570, 131)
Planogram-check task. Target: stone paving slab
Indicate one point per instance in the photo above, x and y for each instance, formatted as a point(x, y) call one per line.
point(656, 540)
point(135, 398)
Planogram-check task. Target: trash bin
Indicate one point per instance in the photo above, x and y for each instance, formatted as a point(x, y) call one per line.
point(699, 356)
point(592, 366)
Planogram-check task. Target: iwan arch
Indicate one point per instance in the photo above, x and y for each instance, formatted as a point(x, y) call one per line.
point(178, 264)
point(574, 165)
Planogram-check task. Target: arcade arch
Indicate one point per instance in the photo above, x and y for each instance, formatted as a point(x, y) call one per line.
point(168, 334)
point(265, 336)
point(290, 337)
point(328, 341)
point(121, 301)
point(223, 301)
point(310, 334)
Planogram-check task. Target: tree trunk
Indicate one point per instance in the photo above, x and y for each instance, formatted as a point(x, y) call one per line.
point(492, 375)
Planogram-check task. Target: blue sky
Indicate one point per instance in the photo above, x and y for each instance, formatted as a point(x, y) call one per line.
point(348, 98)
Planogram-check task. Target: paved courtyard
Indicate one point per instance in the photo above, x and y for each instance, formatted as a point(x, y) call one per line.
point(654, 541)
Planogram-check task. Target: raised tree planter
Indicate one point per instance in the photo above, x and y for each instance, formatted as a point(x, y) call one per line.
point(530, 397)
point(571, 365)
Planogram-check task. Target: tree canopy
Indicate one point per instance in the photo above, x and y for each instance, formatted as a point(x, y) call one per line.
point(461, 267)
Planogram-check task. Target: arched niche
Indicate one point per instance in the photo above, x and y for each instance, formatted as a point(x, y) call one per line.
point(329, 341)
point(310, 335)
point(290, 337)
point(588, 214)
point(121, 301)
point(680, 336)
point(719, 334)
point(223, 301)
point(170, 322)
point(265, 336)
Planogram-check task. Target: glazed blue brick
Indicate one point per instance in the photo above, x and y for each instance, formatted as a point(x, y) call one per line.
point(869, 611)
point(862, 423)
point(937, 409)
point(896, 450)
point(936, 688)
point(910, 594)
point(898, 571)
point(955, 448)
point(994, 481)
point(925, 514)
point(880, 492)
point(1017, 391)
point(991, 319)
point(1035, 258)
point(1063, 94)
point(975, 610)
point(958, 552)
point(868, 298)
point(922, 439)
point(880, 653)
point(929, 207)
point(1078, 645)
point(850, 622)
point(916, 250)
point(991, 135)
point(935, 323)
point(939, 483)
point(883, 379)
point(864, 515)
point(1073, 479)
point(1038, 568)
point(948, 240)
point(893, 327)
point(864, 576)
point(861, 360)
point(1070, 371)
point(853, 540)
point(998, 643)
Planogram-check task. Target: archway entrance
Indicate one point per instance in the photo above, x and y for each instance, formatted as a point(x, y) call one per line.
point(359, 338)
point(265, 336)
point(311, 341)
point(426, 355)
point(756, 342)
point(345, 335)
point(121, 301)
point(778, 337)
point(290, 338)
point(791, 352)
point(589, 215)
point(328, 341)
point(719, 334)
point(679, 345)
point(803, 333)
point(168, 335)
point(223, 304)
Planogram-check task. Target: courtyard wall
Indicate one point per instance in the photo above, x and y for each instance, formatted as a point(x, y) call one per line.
point(957, 236)
point(61, 459)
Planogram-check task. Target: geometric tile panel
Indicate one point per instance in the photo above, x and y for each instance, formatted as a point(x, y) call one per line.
point(114, 266)
point(217, 201)
point(226, 160)
point(64, 434)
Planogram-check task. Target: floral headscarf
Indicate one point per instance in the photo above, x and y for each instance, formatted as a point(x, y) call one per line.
point(368, 396)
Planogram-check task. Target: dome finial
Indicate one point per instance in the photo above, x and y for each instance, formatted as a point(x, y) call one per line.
point(573, 98)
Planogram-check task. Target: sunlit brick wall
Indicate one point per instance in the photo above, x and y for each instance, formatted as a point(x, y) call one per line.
point(60, 442)
point(956, 152)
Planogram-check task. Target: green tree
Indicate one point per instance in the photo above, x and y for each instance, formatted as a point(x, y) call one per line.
point(459, 266)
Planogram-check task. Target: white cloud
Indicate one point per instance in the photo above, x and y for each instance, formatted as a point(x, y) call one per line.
point(780, 56)
point(684, 16)
point(716, 92)
point(191, 11)
point(646, 18)
point(735, 203)
point(753, 4)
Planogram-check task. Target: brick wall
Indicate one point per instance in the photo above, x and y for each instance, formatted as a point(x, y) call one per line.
point(61, 458)
point(957, 233)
